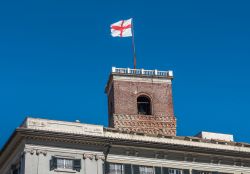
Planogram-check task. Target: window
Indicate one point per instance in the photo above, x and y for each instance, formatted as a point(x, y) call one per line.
point(116, 169)
point(146, 170)
point(175, 171)
point(142, 170)
point(64, 163)
point(16, 169)
point(204, 172)
point(143, 105)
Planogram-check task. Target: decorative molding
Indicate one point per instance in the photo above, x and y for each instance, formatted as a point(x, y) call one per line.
point(96, 130)
point(90, 156)
point(99, 157)
point(34, 151)
point(30, 151)
point(139, 79)
point(43, 152)
point(178, 164)
point(176, 142)
point(63, 126)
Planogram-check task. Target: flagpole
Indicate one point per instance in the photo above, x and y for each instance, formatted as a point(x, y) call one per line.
point(133, 43)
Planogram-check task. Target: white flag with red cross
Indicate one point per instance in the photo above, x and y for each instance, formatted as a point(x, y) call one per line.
point(122, 28)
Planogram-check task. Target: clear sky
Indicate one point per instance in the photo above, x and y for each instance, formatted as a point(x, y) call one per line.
point(56, 55)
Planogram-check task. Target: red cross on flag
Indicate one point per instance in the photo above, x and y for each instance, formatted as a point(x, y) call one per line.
point(122, 28)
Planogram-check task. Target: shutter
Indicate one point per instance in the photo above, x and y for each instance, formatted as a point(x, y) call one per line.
point(136, 169)
point(53, 163)
point(77, 165)
point(165, 170)
point(186, 171)
point(127, 169)
point(158, 170)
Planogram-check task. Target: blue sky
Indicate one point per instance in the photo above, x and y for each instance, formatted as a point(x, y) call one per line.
point(55, 58)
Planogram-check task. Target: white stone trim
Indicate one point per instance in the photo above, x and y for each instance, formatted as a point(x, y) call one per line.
point(141, 79)
point(63, 126)
point(61, 150)
point(97, 130)
point(59, 170)
point(175, 142)
point(176, 164)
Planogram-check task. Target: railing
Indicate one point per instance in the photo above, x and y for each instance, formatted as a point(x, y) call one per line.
point(142, 72)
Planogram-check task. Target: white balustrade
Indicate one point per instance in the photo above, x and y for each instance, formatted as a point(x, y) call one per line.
point(142, 72)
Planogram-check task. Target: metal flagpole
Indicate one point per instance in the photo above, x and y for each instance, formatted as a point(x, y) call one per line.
point(133, 43)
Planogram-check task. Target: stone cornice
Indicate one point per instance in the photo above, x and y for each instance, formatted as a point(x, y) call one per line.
point(118, 141)
point(100, 131)
point(77, 133)
point(176, 164)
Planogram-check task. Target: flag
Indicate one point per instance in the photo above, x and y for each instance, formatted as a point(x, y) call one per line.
point(122, 28)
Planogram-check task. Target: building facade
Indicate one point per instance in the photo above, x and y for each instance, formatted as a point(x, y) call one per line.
point(141, 137)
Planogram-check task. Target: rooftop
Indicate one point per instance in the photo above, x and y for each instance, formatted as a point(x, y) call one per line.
point(100, 131)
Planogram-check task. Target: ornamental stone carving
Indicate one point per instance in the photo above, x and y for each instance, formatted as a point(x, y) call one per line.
point(88, 156)
point(30, 151)
point(38, 152)
point(99, 157)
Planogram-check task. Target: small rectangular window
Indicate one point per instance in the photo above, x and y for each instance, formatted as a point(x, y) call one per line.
point(64, 163)
point(174, 171)
point(203, 172)
point(146, 170)
point(116, 169)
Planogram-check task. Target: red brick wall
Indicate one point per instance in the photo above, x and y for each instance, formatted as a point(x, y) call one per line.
point(124, 115)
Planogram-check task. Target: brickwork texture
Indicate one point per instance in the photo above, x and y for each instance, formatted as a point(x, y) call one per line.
point(123, 113)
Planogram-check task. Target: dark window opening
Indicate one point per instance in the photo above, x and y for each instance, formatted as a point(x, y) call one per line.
point(143, 105)
point(16, 169)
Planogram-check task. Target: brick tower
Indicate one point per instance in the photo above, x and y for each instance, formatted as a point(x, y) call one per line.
point(141, 101)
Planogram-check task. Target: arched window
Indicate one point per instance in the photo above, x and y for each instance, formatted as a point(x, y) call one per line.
point(143, 105)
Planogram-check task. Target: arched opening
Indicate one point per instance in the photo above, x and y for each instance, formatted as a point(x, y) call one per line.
point(143, 105)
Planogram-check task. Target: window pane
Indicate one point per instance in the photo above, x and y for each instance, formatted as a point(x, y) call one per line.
point(175, 171)
point(201, 172)
point(68, 164)
point(60, 163)
point(64, 163)
point(115, 169)
point(146, 170)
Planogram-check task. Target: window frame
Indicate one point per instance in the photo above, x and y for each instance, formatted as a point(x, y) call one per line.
point(175, 171)
point(146, 167)
point(121, 171)
point(76, 164)
point(149, 102)
point(64, 163)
